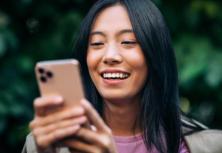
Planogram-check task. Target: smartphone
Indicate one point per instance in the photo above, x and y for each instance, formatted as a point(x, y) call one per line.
point(60, 77)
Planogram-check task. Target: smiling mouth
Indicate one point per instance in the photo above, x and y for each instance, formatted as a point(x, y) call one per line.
point(115, 76)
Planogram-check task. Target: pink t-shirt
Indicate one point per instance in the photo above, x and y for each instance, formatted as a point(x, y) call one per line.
point(135, 144)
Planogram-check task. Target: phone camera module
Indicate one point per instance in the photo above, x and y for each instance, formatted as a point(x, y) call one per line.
point(43, 79)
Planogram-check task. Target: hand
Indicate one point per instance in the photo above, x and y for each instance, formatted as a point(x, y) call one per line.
point(49, 126)
point(96, 140)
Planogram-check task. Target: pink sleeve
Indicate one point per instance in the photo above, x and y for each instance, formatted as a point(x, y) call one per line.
point(183, 148)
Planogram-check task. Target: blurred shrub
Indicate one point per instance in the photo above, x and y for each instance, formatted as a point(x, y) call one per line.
point(197, 35)
point(30, 31)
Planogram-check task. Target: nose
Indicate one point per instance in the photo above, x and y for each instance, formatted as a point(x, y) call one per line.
point(112, 55)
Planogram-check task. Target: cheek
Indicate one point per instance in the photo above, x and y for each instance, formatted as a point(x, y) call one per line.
point(136, 59)
point(92, 60)
point(138, 63)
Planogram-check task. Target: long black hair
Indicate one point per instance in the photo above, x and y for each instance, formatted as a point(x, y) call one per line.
point(159, 110)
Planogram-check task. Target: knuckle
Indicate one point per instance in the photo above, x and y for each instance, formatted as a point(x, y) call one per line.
point(34, 123)
point(41, 143)
point(109, 131)
point(58, 116)
point(53, 126)
point(96, 149)
point(35, 133)
point(54, 136)
point(99, 151)
point(31, 124)
point(57, 134)
point(51, 138)
point(105, 141)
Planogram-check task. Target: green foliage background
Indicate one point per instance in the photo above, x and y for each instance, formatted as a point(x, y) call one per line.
point(33, 30)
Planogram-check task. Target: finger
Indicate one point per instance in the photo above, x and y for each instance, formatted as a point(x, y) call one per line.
point(44, 141)
point(41, 103)
point(59, 125)
point(57, 116)
point(77, 145)
point(102, 140)
point(94, 117)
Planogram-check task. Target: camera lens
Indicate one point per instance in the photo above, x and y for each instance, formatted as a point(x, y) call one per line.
point(49, 74)
point(43, 79)
point(41, 70)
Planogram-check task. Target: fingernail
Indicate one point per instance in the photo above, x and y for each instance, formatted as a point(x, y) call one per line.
point(58, 99)
point(84, 102)
point(75, 127)
point(82, 119)
point(78, 110)
point(93, 128)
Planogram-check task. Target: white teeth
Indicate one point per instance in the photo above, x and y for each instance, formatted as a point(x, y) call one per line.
point(115, 75)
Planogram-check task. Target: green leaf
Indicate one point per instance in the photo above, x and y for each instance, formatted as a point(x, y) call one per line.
point(2, 46)
point(214, 73)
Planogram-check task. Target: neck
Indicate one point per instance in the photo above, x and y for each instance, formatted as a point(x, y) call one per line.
point(122, 117)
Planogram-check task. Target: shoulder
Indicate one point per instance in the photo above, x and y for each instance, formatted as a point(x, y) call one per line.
point(200, 139)
point(206, 141)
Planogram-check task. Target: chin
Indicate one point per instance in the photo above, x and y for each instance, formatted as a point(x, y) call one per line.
point(116, 98)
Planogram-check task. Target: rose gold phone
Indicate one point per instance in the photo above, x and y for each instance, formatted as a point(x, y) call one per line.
point(60, 77)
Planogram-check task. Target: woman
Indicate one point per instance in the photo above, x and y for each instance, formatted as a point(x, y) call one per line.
point(130, 77)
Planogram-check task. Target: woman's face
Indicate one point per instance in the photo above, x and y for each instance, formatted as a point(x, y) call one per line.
point(115, 60)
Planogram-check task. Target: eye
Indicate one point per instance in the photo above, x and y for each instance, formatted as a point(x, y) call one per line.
point(129, 43)
point(97, 44)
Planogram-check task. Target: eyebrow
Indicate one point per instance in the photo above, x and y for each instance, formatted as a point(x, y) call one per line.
point(97, 33)
point(125, 31)
point(119, 33)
